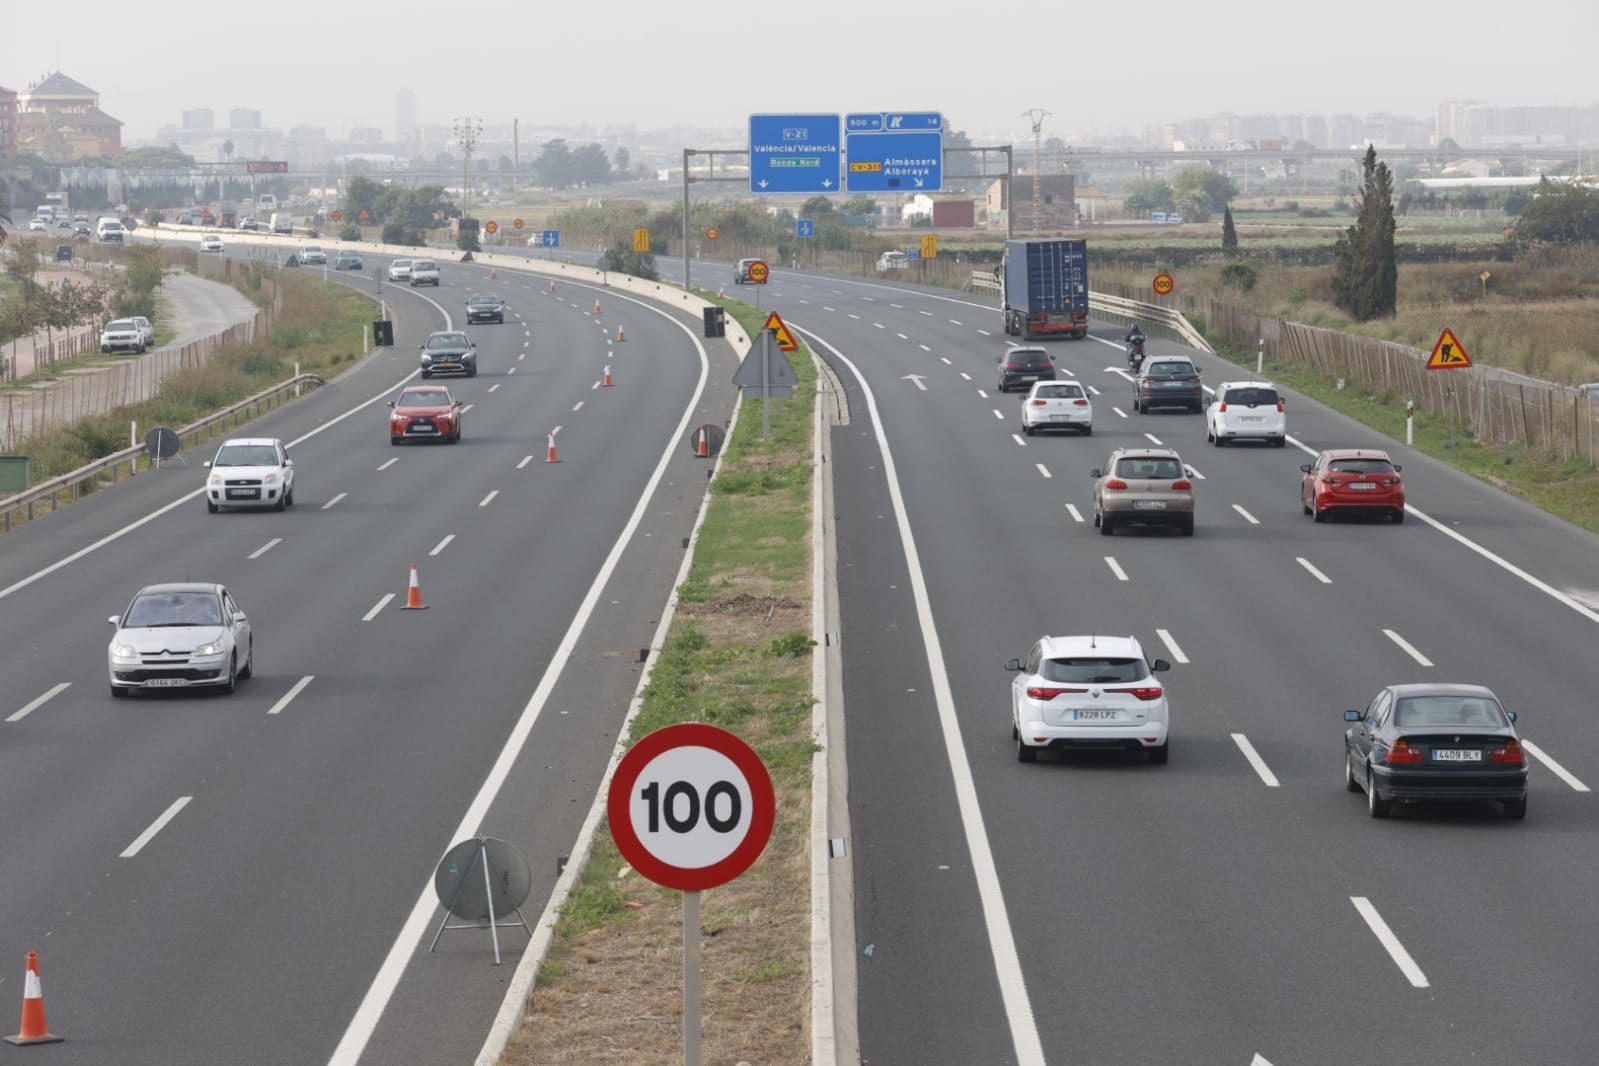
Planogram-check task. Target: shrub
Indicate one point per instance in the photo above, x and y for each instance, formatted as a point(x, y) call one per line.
point(790, 645)
point(351, 232)
point(1240, 276)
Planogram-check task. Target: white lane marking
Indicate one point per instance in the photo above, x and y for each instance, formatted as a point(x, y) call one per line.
point(373, 613)
point(1251, 519)
point(802, 299)
point(1385, 937)
point(288, 697)
point(594, 386)
point(980, 392)
point(1255, 760)
point(985, 333)
point(945, 360)
point(965, 376)
point(869, 299)
point(1095, 391)
point(1115, 568)
point(1171, 645)
point(1409, 648)
point(902, 336)
point(335, 500)
point(1154, 439)
point(1119, 411)
point(526, 459)
point(467, 408)
point(485, 501)
point(390, 463)
point(1043, 470)
point(1077, 516)
point(856, 317)
point(1197, 475)
point(1069, 374)
point(956, 322)
point(1554, 767)
point(263, 549)
point(155, 827)
point(521, 357)
point(51, 694)
point(1029, 1048)
point(925, 348)
point(929, 314)
point(579, 405)
point(999, 414)
point(1017, 437)
point(898, 306)
point(878, 325)
point(441, 545)
point(826, 308)
point(1317, 574)
point(494, 386)
point(508, 373)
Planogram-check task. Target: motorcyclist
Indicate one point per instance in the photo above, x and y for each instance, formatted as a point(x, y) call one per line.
point(1135, 345)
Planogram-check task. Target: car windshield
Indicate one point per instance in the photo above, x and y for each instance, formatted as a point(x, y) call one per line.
point(1361, 466)
point(122, 324)
point(489, 300)
point(174, 609)
point(423, 264)
point(447, 340)
point(247, 455)
point(401, 264)
point(1251, 397)
point(425, 398)
point(1170, 370)
point(1060, 392)
point(1153, 467)
point(1093, 670)
point(312, 248)
point(1449, 711)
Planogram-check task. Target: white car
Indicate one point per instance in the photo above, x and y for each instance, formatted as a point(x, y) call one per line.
point(1246, 410)
point(1088, 691)
point(210, 243)
point(146, 330)
point(38, 225)
point(893, 261)
point(122, 335)
point(424, 272)
point(188, 635)
point(312, 254)
point(400, 270)
point(1057, 405)
point(250, 472)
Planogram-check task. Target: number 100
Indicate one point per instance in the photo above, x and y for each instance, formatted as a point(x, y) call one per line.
point(682, 790)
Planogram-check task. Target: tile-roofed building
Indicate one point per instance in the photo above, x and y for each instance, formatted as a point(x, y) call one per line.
point(59, 119)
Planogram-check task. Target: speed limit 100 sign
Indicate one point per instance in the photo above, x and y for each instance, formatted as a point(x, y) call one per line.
point(691, 806)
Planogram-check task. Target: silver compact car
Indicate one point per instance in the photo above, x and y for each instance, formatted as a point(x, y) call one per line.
point(185, 635)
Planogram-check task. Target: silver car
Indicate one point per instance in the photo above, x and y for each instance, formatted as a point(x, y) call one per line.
point(183, 635)
point(1144, 486)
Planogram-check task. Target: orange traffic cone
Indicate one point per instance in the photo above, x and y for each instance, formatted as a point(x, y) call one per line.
point(34, 1028)
point(597, 306)
point(721, 293)
point(702, 444)
point(413, 595)
point(549, 454)
point(621, 334)
point(607, 382)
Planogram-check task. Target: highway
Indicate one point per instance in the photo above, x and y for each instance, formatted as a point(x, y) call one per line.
point(1237, 902)
point(227, 879)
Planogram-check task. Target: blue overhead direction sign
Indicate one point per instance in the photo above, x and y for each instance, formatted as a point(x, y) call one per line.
point(895, 162)
point(550, 238)
point(912, 121)
point(863, 123)
point(805, 227)
point(795, 153)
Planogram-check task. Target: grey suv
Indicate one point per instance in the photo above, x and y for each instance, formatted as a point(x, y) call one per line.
point(1144, 486)
point(1168, 381)
point(449, 352)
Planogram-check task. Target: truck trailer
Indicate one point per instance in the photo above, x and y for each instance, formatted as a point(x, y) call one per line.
point(1046, 288)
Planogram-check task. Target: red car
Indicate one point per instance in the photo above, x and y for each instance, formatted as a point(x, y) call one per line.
point(425, 412)
point(1352, 479)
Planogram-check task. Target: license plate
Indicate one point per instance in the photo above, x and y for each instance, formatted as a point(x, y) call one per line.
point(1252, 420)
point(1149, 505)
point(1361, 485)
point(1029, 377)
point(166, 682)
point(1060, 418)
point(1456, 755)
point(1094, 714)
point(244, 494)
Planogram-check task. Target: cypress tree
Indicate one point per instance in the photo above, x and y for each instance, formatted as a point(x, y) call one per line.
point(1365, 271)
point(1229, 233)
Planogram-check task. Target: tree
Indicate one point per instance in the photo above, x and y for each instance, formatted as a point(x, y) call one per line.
point(1365, 272)
point(591, 166)
point(1560, 214)
point(227, 149)
point(5, 220)
point(621, 160)
point(1147, 194)
point(554, 164)
point(361, 195)
point(1200, 192)
point(1229, 233)
point(816, 205)
point(621, 257)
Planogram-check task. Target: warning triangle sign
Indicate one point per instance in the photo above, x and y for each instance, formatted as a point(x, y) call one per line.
point(785, 339)
point(1448, 354)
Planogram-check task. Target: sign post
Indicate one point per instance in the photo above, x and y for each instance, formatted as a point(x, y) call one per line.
point(1449, 354)
point(691, 807)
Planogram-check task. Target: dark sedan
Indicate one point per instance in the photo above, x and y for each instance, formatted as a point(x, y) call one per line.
point(1168, 382)
point(1020, 367)
point(1435, 742)
point(485, 308)
point(449, 352)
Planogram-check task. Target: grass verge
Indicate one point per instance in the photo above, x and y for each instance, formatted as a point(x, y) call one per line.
point(737, 655)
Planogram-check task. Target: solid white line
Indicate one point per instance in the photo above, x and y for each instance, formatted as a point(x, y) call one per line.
point(999, 414)
point(1385, 936)
point(1029, 1048)
point(484, 502)
point(1255, 760)
point(155, 827)
point(1251, 519)
point(1115, 568)
point(390, 463)
point(526, 459)
point(1119, 411)
point(1317, 574)
point(288, 697)
point(1017, 437)
point(1044, 470)
point(1554, 767)
point(1077, 516)
point(494, 386)
point(40, 702)
point(445, 543)
point(263, 549)
point(335, 500)
point(373, 613)
point(1171, 645)
point(1408, 647)
point(1154, 439)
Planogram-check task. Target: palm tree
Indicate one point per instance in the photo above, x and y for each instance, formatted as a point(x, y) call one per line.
point(227, 149)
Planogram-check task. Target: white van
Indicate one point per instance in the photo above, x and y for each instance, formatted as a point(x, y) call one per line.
point(109, 230)
point(282, 222)
point(267, 202)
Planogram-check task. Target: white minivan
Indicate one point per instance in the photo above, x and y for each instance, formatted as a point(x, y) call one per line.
point(1245, 410)
point(109, 230)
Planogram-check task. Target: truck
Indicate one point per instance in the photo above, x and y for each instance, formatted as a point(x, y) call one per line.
point(1045, 283)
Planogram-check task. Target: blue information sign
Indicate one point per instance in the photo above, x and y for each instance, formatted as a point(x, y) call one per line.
point(795, 153)
point(550, 238)
point(805, 227)
point(895, 151)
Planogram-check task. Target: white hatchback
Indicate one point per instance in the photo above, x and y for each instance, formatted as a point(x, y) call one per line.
point(1088, 691)
point(1057, 405)
point(250, 472)
point(1245, 410)
point(400, 270)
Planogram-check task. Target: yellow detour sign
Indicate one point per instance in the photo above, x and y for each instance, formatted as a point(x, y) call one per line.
point(641, 240)
point(1164, 284)
point(516, 223)
point(930, 246)
point(780, 333)
point(1448, 354)
point(491, 227)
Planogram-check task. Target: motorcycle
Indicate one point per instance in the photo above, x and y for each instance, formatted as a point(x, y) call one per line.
point(1135, 354)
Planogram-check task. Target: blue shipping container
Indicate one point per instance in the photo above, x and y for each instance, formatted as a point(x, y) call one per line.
point(1046, 287)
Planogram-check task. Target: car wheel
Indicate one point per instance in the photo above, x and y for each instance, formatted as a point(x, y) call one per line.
point(1106, 527)
point(1024, 753)
point(1217, 441)
point(1188, 528)
point(1350, 784)
point(118, 692)
point(472, 373)
point(426, 374)
point(455, 438)
point(1516, 810)
point(249, 664)
point(1279, 442)
point(1399, 515)
point(1159, 755)
point(233, 674)
point(1376, 806)
point(1096, 519)
point(1303, 506)
point(210, 507)
point(1320, 513)
point(394, 441)
point(1088, 431)
point(279, 505)
point(288, 498)
point(1027, 431)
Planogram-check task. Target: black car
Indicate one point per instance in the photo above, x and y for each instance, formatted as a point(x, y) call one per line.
point(63, 253)
point(1020, 367)
point(1166, 381)
point(1435, 742)
point(449, 352)
point(485, 308)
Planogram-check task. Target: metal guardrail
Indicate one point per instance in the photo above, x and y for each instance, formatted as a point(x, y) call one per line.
point(95, 472)
point(1107, 306)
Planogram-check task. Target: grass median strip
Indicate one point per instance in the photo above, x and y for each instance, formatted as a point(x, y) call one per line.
point(738, 655)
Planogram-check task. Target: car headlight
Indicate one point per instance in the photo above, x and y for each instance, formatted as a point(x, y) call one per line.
point(213, 648)
point(124, 652)
point(426, 358)
point(215, 480)
point(270, 478)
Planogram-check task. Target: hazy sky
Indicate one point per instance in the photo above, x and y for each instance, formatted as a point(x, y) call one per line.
point(1097, 67)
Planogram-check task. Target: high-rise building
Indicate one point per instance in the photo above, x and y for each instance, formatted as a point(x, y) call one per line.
point(199, 118)
point(244, 118)
point(405, 131)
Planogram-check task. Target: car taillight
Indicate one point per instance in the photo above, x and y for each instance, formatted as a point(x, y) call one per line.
point(1182, 484)
point(1279, 407)
point(1040, 693)
point(1115, 483)
point(1080, 403)
point(1012, 366)
point(1509, 755)
point(1142, 693)
point(1039, 403)
point(1222, 406)
point(1402, 752)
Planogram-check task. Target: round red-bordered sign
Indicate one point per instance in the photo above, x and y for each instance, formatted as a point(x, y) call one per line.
point(1163, 284)
point(758, 272)
point(711, 233)
point(691, 806)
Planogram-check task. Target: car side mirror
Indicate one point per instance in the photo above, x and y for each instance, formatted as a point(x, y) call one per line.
point(112, 619)
point(421, 347)
point(1511, 715)
point(288, 462)
point(1010, 664)
point(1158, 665)
point(391, 403)
point(206, 464)
point(1305, 467)
point(1189, 471)
point(1209, 400)
point(1397, 468)
point(1352, 716)
point(1096, 473)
